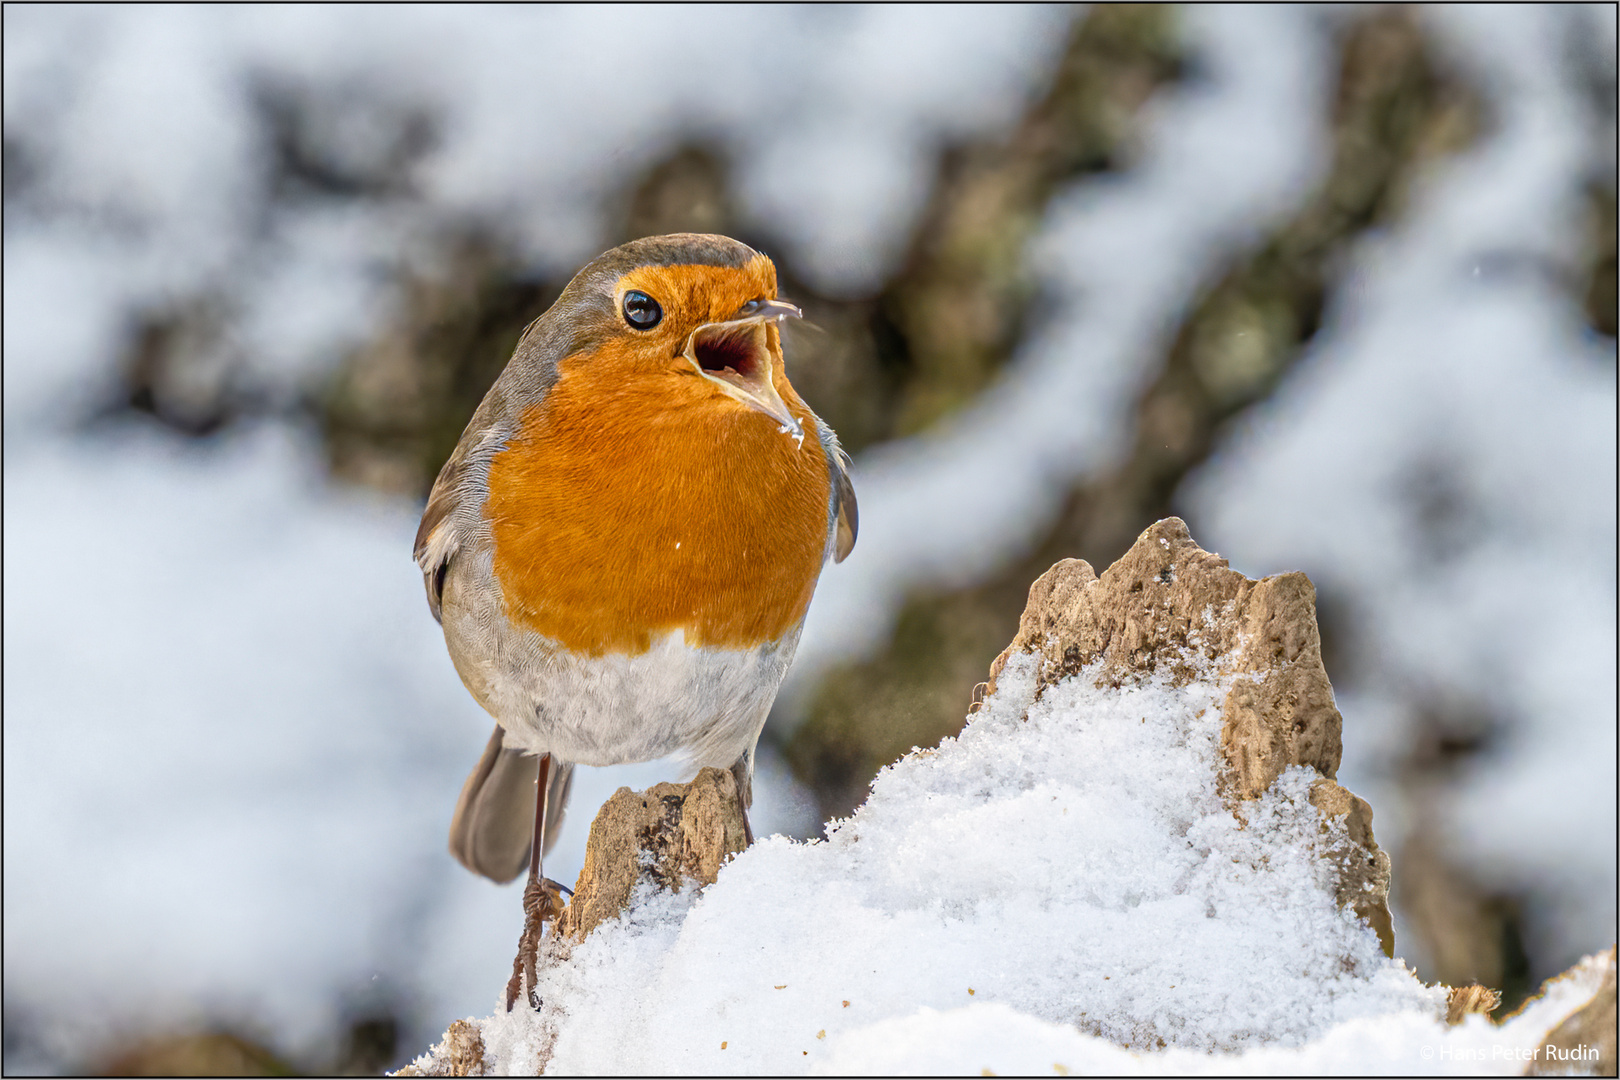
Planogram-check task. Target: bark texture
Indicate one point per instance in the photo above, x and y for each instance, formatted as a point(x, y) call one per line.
point(666, 835)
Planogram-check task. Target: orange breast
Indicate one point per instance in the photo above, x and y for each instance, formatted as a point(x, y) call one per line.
point(630, 507)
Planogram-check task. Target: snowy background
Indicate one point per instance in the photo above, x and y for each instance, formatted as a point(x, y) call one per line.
point(232, 736)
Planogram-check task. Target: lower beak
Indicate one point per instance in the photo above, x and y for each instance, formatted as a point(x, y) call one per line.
point(736, 356)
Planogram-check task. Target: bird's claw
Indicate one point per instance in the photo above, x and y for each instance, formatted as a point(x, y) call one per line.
point(542, 901)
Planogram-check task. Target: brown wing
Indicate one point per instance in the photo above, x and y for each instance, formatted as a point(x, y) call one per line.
point(434, 559)
point(525, 380)
point(849, 515)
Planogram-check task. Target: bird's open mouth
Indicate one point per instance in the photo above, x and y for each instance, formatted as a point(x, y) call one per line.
point(734, 352)
point(736, 356)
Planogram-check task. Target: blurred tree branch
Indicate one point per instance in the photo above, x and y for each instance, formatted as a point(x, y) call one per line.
point(1394, 113)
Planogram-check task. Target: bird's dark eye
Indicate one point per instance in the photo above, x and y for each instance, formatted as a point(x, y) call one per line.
point(641, 311)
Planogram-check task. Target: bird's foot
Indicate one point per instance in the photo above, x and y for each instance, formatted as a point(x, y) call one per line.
point(542, 901)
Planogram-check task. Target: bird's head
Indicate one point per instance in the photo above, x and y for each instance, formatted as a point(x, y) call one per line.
point(689, 314)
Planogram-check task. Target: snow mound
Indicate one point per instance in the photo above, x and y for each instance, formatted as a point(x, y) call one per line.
point(992, 1039)
point(1080, 856)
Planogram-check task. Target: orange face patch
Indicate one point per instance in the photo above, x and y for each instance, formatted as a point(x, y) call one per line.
point(694, 295)
point(639, 498)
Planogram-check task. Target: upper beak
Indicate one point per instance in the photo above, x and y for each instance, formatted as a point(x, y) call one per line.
point(770, 309)
point(736, 356)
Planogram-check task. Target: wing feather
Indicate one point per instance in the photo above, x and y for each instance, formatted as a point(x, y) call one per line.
point(435, 542)
point(849, 515)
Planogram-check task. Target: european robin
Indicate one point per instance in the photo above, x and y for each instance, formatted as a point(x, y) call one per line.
point(624, 543)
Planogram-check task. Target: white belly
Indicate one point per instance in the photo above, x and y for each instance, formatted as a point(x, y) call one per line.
point(705, 705)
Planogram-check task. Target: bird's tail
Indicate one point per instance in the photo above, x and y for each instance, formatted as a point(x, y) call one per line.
point(493, 828)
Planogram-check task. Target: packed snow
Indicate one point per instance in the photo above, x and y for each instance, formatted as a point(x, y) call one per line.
point(1060, 887)
point(994, 1039)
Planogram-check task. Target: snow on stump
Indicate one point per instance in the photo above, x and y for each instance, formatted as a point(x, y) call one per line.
point(1170, 608)
point(1585, 1040)
point(1133, 857)
point(460, 1053)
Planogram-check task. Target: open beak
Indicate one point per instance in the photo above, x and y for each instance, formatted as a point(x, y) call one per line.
point(735, 355)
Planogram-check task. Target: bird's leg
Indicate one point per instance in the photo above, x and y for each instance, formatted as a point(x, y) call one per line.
point(742, 771)
point(540, 899)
